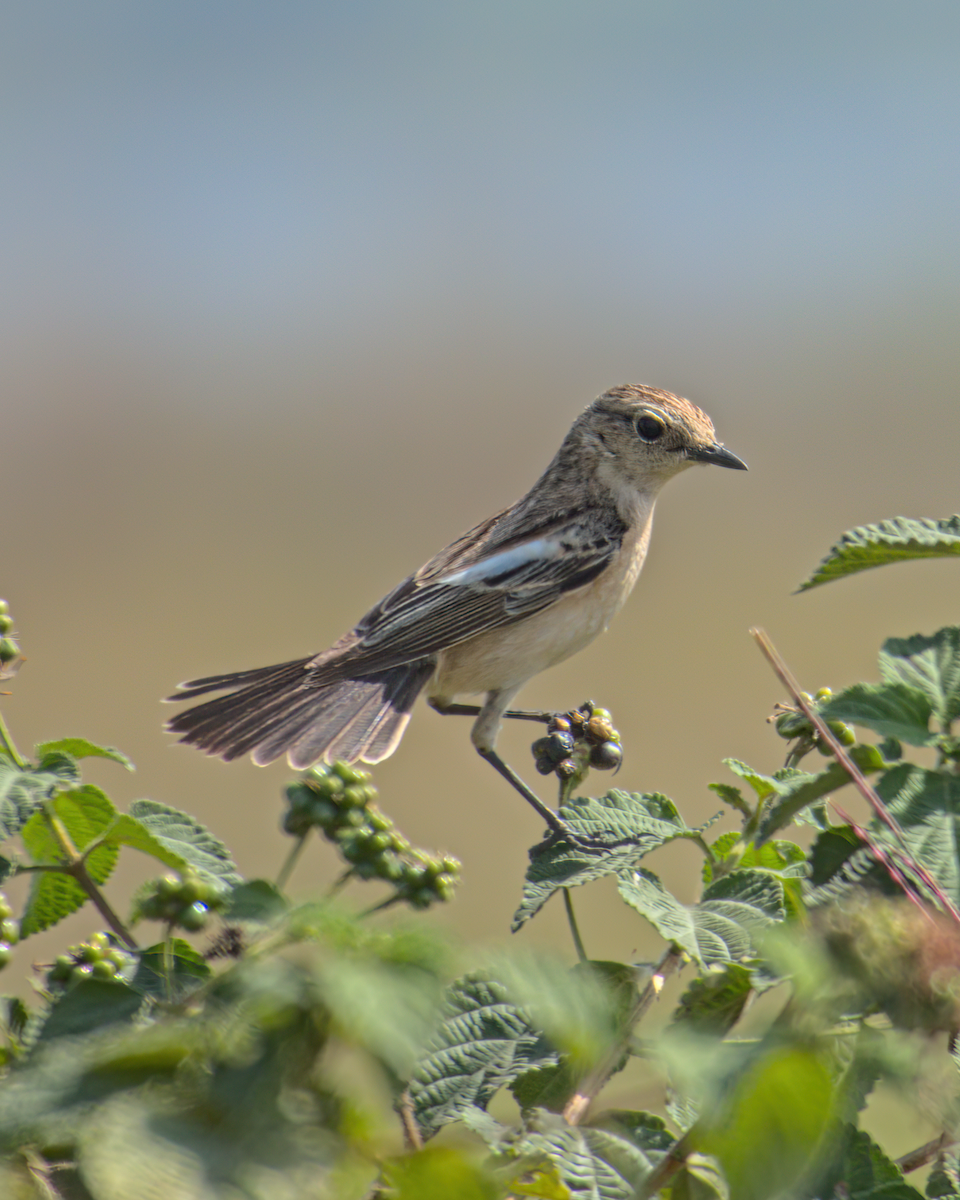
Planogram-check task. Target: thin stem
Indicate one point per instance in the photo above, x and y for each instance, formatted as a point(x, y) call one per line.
point(291, 861)
point(76, 867)
point(411, 1132)
point(340, 882)
point(591, 1086)
point(924, 1154)
point(572, 922)
point(388, 903)
point(7, 742)
point(782, 671)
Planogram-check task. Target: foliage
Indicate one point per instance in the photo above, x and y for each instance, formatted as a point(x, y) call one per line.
point(312, 1050)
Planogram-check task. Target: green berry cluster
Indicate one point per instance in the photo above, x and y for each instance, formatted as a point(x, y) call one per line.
point(339, 801)
point(100, 958)
point(588, 726)
point(184, 899)
point(9, 931)
point(9, 650)
point(792, 725)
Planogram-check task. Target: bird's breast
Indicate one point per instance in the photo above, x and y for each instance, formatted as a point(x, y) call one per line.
point(509, 656)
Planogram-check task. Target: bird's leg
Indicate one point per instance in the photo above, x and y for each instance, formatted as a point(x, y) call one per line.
point(560, 831)
point(474, 710)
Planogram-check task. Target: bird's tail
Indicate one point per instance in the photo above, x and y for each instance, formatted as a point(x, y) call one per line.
point(276, 710)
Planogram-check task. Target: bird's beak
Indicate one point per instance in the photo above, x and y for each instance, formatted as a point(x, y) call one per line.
point(719, 455)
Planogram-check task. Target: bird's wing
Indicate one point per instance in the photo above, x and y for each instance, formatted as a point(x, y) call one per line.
point(460, 594)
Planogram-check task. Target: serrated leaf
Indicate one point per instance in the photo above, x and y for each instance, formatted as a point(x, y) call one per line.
point(484, 1041)
point(713, 1002)
point(891, 709)
point(255, 900)
point(642, 822)
point(128, 831)
point(802, 789)
point(930, 665)
point(700, 1178)
point(170, 971)
point(90, 1005)
point(81, 748)
point(943, 1182)
point(763, 785)
point(927, 806)
point(732, 910)
point(186, 837)
point(85, 812)
point(720, 928)
point(674, 921)
point(732, 796)
point(869, 1174)
point(23, 788)
point(594, 1163)
point(896, 540)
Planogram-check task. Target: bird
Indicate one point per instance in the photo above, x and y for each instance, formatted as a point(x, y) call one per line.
point(520, 592)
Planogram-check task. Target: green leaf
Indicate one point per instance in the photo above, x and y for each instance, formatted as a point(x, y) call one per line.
point(713, 1002)
point(186, 837)
point(701, 1178)
point(484, 1041)
point(891, 541)
point(927, 806)
point(943, 1182)
point(767, 1132)
point(128, 831)
point(892, 709)
point(732, 796)
point(595, 1163)
point(90, 1005)
point(869, 1174)
point(255, 900)
point(720, 928)
point(23, 788)
point(170, 971)
point(930, 665)
point(641, 822)
point(801, 789)
point(85, 812)
point(438, 1173)
point(81, 748)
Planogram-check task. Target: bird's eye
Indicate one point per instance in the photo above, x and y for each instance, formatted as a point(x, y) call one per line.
point(650, 428)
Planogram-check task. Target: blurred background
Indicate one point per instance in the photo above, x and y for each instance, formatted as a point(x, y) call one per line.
point(292, 294)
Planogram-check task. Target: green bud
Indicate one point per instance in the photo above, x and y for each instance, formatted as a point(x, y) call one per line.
point(421, 898)
point(6, 623)
point(5, 909)
point(90, 954)
point(9, 650)
point(194, 917)
point(350, 774)
point(169, 885)
point(104, 969)
point(366, 870)
point(116, 956)
point(81, 971)
point(601, 714)
point(380, 821)
point(6, 954)
point(4, 606)
point(9, 931)
point(824, 693)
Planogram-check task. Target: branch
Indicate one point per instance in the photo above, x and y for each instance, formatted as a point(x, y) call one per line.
point(783, 673)
point(579, 1103)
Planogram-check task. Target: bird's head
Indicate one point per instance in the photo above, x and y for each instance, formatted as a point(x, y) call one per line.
point(642, 436)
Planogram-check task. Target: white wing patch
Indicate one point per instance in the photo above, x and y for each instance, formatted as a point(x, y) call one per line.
point(507, 562)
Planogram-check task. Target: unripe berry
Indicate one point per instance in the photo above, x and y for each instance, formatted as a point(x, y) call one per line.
point(6, 954)
point(6, 623)
point(104, 969)
point(9, 931)
point(194, 918)
point(9, 650)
